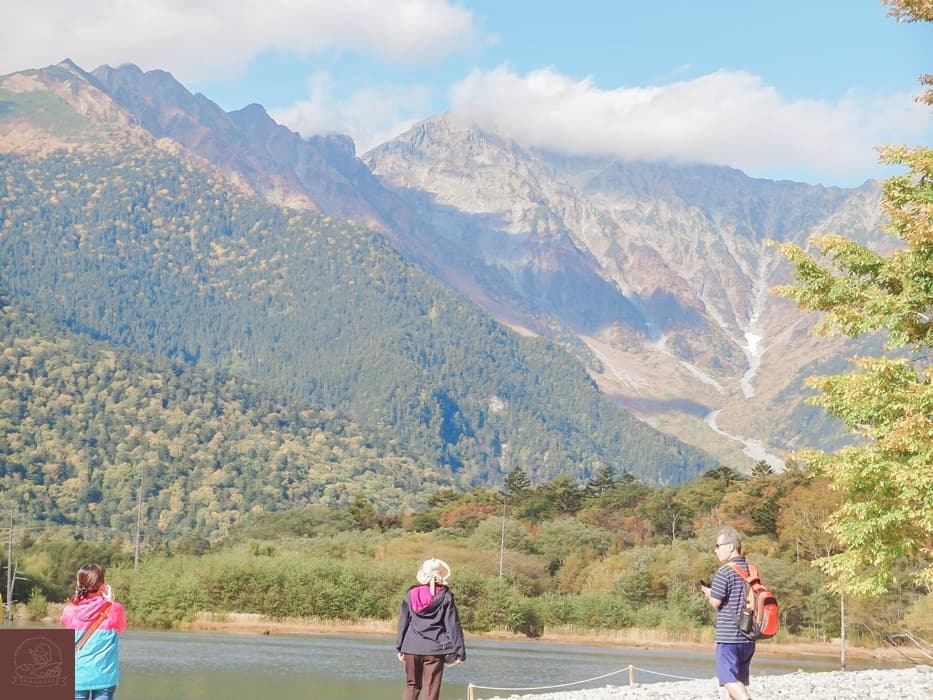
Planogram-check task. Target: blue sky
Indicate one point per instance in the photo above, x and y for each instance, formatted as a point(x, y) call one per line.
point(798, 89)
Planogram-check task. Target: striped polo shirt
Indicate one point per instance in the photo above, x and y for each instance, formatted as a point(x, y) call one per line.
point(729, 588)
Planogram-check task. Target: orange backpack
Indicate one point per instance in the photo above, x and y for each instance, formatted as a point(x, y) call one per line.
point(759, 617)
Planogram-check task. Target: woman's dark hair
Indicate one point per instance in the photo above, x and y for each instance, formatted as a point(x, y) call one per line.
point(89, 580)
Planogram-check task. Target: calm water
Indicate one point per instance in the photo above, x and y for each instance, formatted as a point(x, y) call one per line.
point(191, 666)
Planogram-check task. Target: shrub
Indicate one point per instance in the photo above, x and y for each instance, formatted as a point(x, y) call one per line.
point(425, 522)
point(557, 610)
point(37, 605)
point(164, 593)
point(490, 603)
point(605, 611)
point(596, 610)
point(650, 615)
point(559, 539)
point(488, 535)
point(466, 516)
point(633, 583)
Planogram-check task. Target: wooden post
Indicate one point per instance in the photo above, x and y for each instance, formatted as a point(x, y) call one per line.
point(470, 694)
point(631, 674)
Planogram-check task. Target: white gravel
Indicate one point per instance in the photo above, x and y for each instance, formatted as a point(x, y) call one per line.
point(905, 684)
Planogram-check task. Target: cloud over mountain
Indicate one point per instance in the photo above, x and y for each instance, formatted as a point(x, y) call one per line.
point(709, 91)
point(371, 115)
point(727, 117)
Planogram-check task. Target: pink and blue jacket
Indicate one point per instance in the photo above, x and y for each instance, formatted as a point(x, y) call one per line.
point(97, 663)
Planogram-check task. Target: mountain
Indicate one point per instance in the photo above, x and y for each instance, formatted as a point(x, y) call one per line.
point(657, 276)
point(126, 235)
point(660, 273)
point(56, 107)
point(321, 173)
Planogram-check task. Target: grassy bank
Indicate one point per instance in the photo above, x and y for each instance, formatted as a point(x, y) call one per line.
point(634, 637)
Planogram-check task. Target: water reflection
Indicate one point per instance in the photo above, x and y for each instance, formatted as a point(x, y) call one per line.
point(191, 666)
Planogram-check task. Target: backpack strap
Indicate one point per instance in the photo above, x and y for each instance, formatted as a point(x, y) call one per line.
point(750, 576)
point(101, 616)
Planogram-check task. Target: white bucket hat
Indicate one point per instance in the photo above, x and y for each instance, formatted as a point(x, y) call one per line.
point(432, 572)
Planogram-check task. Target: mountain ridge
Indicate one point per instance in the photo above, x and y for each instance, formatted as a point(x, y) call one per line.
point(150, 248)
point(649, 272)
point(710, 324)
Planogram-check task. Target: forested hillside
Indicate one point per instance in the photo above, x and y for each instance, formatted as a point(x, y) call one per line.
point(143, 249)
point(86, 429)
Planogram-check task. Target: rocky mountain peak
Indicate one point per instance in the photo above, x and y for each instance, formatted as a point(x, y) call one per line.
point(660, 270)
point(68, 107)
point(657, 274)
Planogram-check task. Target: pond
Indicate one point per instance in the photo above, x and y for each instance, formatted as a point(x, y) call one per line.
point(194, 665)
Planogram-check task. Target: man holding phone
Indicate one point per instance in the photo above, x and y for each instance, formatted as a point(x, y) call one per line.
point(726, 595)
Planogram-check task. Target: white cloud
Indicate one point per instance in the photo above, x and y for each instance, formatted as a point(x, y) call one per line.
point(727, 118)
point(212, 39)
point(370, 116)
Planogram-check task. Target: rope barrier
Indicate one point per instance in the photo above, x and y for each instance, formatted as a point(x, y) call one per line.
point(471, 688)
point(551, 687)
point(667, 675)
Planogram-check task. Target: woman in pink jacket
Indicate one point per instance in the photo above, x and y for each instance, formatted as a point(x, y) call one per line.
point(96, 619)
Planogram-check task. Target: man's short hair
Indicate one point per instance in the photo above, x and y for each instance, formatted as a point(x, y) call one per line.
point(730, 535)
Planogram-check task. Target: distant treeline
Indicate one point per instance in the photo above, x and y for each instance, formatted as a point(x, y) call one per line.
point(610, 553)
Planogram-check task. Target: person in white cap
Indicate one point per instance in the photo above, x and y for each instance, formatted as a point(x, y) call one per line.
point(429, 632)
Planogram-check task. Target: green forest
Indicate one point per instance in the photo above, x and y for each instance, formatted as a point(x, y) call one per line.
point(606, 554)
point(87, 430)
point(96, 436)
point(146, 251)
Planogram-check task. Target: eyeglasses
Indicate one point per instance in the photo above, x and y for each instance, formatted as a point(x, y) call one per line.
point(720, 544)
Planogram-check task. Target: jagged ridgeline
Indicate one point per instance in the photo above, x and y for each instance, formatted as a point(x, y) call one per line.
point(142, 248)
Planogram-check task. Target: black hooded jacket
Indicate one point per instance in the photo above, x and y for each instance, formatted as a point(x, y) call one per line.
point(433, 631)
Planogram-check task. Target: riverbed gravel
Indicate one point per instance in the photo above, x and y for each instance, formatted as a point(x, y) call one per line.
point(876, 684)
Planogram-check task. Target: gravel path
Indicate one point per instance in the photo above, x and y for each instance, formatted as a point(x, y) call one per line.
point(906, 684)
